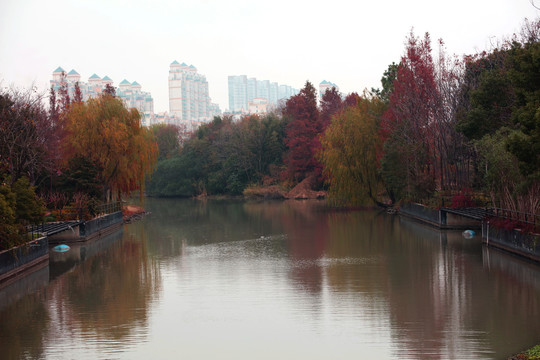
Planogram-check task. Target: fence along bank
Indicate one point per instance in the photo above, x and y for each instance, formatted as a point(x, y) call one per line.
point(511, 231)
point(34, 255)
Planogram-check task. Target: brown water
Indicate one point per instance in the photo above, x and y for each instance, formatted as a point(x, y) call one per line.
point(273, 280)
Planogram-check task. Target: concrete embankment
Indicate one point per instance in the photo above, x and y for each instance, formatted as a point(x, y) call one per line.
point(90, 229)
point(23, 260)
point(515, 241)
point(437, 217)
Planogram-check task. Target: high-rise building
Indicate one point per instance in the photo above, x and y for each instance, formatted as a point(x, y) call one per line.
point(251, 89)
point(130, 93)
point(285, 92)
point(189, 99)
point(273, 93)
point(246, 93)
point(238, 92)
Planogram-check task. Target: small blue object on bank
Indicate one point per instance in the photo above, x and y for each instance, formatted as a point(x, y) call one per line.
point(61, 248)
point(468, 234)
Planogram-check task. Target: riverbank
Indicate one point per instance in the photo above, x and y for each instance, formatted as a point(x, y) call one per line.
point(516, 241)
point(300, 192)
point(132, 213)
point(437, 217)
point(23, 260)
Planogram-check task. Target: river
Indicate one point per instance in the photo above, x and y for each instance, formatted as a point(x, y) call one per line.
point(224, 279)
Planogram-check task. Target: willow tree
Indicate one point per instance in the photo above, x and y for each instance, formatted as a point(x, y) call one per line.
point(110, 136)
point(351, 146)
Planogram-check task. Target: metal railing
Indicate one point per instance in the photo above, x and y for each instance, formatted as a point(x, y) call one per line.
point(68, 216)
point(35, 231)
point(527, 218)
point(109, 208)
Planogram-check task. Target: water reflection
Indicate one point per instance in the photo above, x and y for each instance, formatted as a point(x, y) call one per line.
point(99, 293)
point(105, 298)
point(277, 280)
point(23, 317)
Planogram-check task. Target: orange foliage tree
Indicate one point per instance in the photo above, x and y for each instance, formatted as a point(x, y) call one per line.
point(110, 136)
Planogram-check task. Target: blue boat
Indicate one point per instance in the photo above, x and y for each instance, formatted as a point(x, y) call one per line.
point(61, 248)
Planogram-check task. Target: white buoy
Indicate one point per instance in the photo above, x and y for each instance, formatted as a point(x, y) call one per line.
point(468, 234)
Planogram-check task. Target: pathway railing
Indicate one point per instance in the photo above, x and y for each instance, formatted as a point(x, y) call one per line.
point(527, 218)
point(69, 216)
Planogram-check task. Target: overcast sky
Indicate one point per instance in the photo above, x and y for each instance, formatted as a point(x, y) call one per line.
point(346, 42)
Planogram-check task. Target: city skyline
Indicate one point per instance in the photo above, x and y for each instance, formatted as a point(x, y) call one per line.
point(349, 44)
point(243, 90)
point(131, 93)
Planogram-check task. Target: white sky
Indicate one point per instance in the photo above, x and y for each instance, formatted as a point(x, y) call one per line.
point(346, 42)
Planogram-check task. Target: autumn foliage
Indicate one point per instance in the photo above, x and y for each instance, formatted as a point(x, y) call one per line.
point(302, 134)
point(440, 123)
point(350, 148)
point(110, 136)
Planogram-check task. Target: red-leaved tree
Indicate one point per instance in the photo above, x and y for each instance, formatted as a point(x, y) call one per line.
point(331, 103)
point(407, 125)
point(301, 134)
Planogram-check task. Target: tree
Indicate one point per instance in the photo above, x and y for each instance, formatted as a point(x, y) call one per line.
point(524, 72)
point(29, 209)
point(80, 175)
point(351, 99)
point(503, 180)
point(25, 132)
point(223, 157)
point(258, 141)
point(408, 121)
point(350, 149)
point(167, 137)
point(331, 103)
point(453, 153)
point(499, 111)
point(9, 229)
point(387, 82)
point(491, 105)
point(63, 93)
point(77, 94)
point(301, 134)
point(109, 89)
point(19, 206)
point(178, 176)
point(112, 137)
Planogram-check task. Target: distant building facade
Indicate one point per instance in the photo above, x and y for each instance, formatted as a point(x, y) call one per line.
point(130, 93)
point(326, 85)
point(258, 106)
point(243, 91)
point(189, 99)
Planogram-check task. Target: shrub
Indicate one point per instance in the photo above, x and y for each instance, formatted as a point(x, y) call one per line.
point(463, 199)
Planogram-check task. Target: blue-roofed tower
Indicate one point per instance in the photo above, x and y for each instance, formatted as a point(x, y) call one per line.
point(106, 81)
point(73, 76)
point(58, 73)
point(130, 93)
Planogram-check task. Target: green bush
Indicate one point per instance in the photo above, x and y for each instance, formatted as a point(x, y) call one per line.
point(19, 206)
